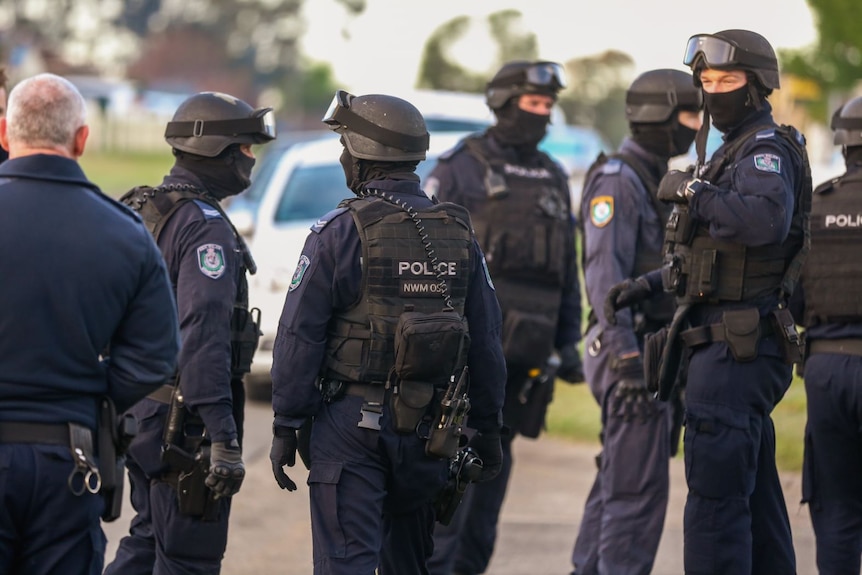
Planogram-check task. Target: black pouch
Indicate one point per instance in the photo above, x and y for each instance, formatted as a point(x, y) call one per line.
point(538, 398)
point(409, 403)
point(528, 338)
point(742, 333)
point(792, 346)
point(428, 346)
point(194, 498)
point(654, 344)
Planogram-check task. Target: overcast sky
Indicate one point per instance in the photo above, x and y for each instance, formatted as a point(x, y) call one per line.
point(384, 47)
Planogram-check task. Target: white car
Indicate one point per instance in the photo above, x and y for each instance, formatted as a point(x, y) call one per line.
point(293, 187)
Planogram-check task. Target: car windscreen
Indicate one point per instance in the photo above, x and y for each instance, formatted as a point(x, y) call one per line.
point(311, 192)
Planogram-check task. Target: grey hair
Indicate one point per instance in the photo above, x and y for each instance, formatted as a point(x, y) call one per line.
point(45, 111)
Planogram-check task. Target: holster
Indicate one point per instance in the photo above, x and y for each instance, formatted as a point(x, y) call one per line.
point(409, 403)
point(536, 394)
point(654, 344)
point(671, 356)
point(115, 435)
point(194, 498)
point(245, 333)
point(792, 344)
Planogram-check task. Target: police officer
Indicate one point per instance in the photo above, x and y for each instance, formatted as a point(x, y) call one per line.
point(86, 312)
point(623, 230)
point(182, 502)
point(389, 259)
point(832, 315)
point(734, 245)
point(519, 199)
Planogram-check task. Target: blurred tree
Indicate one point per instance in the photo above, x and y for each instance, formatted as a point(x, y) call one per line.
point(596, 93)
point(834, 63)
point(440, 71)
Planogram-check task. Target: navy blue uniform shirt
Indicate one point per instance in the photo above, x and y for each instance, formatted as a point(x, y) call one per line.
point(203, 261)
point(619, 220)
point(332, 282)
point(461, 180)
point(81, 275)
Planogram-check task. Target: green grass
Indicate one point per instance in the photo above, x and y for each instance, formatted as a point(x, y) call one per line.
point(117, 172)
point(574, 415)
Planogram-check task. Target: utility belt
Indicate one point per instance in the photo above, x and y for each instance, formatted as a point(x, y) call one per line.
point(743, 329)
point(163, 394)
point(847, 346)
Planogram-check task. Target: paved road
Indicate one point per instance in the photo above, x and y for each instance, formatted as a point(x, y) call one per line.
point(270, 528)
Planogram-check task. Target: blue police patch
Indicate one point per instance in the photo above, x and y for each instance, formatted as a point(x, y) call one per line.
point(303, 264)
point(612, 166)
point(768, 163)
point(487, 274)
point(209, 212)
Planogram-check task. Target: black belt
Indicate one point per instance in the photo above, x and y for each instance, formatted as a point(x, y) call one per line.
point(849, 346)
point(24, 432)
point(163, 394)
point(704, 334)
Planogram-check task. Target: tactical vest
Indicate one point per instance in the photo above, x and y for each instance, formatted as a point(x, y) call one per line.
point(156, 206)
point(699, 268)
point(833, 272)
point(407, 257)
point(524, 232)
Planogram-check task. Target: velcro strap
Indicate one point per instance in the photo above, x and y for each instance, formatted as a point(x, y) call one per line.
point(24, 432)
point(842, 346)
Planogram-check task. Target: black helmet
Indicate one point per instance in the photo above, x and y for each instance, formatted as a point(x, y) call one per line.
point(656, 95)
point(208, 122)
point(847, 123)
point(523, 77)
point(378, 127)
point(734, 50)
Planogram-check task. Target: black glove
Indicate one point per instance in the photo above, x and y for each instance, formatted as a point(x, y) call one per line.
point(625, 294)
point(490, 450)
point(631, 399)
point(226, 469)
point(571, 369)
point(283, 452)
point(677, 187)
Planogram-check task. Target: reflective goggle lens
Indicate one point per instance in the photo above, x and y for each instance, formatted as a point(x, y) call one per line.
point(546, 74)
point(716, 51)
point(267, 124)
point(341, 100)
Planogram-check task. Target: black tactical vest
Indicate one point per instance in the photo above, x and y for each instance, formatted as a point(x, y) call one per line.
point(833, 271)
point(155, 206)
point(397, 276)
point(699, 268)
point(524, 232)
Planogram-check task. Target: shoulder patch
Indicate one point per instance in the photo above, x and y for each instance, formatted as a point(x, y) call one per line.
point(612, 166)
point(322, 222)
point(765, 134)
point(299, 272)
point(211, 260)
point(768, 163)
point(208, 211)
point(601, 210)
point(487, 273)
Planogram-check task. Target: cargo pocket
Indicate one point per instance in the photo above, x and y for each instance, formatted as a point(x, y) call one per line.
point(719, 453)
point(323, 486)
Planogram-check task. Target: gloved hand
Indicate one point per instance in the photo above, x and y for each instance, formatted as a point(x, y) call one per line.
point(571, 368)
point(283, 452)
point(631, 399)
point(676, 187)
point(226, 469)
point(625, 294)
point(490, 450)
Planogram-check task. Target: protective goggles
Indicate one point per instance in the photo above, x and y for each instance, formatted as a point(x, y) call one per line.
point(718, 53)
point(339, 115)
point(546, 74)
point(260, 126)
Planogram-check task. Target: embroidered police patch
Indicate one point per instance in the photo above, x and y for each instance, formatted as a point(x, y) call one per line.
point(768, 163)
point(211, 260)
point(303, 264)
point(601, 210)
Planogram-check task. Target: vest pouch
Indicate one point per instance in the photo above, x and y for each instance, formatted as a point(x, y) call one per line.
point(528, 338)
point(791, 343)
point(742, 333)
point(654, 344)
point(408, 403)
point(429, 346)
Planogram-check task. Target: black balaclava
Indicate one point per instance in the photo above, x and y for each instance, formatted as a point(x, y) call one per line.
point(357, 172)
point(729, 109)
point(665, 140)
point(225, 175)
point(519, 128)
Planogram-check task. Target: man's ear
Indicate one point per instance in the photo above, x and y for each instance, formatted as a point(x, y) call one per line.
point(4, 139)
point(80, 141)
